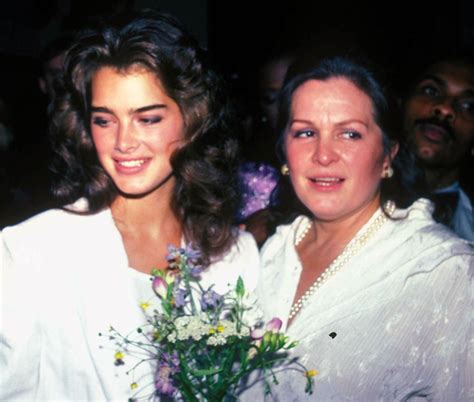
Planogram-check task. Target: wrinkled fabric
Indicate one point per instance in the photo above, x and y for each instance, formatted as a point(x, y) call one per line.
point(394, 324)
point(64, 279)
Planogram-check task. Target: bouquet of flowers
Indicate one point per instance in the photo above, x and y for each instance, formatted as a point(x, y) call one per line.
point(200, 342)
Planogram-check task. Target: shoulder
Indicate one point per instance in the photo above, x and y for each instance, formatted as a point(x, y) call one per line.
point(415, 237)
point(244, 252)
point(244, 247)
point(417, 221)
point(49, 231)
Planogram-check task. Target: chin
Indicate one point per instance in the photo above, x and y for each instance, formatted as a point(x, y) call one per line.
point(127, 193)
point(325, 213)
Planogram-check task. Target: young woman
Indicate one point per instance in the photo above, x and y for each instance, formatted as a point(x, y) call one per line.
point(377, 293)
point(146, 160)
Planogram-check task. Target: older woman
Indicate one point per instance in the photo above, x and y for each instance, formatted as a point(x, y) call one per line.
point(379, 295)
point(146, 159)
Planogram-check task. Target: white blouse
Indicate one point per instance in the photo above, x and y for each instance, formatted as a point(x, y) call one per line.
point(393, 324)
point(65, 278)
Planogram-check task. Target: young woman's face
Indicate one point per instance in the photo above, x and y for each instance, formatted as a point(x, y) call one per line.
point(334, 149)
point(135, 127)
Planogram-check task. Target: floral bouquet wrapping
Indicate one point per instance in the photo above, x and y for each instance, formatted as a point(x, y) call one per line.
point(200, 343)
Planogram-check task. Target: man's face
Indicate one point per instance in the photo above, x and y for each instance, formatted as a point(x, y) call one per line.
point(51, 72)
point(439, 114)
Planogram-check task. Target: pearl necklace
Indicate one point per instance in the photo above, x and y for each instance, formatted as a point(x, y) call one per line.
point(349, 251)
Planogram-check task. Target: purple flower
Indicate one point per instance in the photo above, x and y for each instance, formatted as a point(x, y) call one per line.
point(174, 256)
point(210, 299)
point(172, 360)
point(191, 257)
point(163, 381)
point(195, 272)
point(169, 365)
point(192, 253)
point(194, 259)
point(180, 298)
point(256, 182)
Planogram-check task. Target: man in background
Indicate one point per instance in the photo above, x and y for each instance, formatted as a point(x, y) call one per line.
point(439, 124)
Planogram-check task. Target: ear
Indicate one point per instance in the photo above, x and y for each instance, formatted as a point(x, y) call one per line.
point(391, 154)
point(394, 151)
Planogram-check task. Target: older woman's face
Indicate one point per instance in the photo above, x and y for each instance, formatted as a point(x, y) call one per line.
point(334, 149)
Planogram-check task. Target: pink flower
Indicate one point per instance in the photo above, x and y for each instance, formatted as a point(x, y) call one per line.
point(160, 286)
point(273, 326)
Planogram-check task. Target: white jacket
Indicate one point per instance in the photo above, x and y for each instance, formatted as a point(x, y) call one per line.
point(64, 279)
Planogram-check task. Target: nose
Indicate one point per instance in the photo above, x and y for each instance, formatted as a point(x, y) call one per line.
point(325, 152)
point(126, 140)
point(444, 110)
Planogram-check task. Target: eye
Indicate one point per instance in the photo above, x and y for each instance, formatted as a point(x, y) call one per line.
point(352, 135)
point(100, 121)
point(148, 121)
point(303, 134)
point(429, 90)
point(466, 107)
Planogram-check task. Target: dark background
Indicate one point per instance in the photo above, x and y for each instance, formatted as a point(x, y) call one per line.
point(397, 34)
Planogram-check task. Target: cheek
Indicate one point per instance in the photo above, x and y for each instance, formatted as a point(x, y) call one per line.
point(368, 164)
point(103, 144)
point(417, 108)
point(295, 153)
point(373, 175)
point(170, 137)
point(465, 130)
point(99, 142)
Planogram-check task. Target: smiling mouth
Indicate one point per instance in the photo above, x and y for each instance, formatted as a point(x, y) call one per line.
point(132, 163)
point(326, 181)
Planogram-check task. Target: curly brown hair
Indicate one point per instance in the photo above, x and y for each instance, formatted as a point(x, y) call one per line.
point(204, 197)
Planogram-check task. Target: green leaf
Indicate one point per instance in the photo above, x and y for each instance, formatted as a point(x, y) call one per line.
point(205, 372)
point(240, 288)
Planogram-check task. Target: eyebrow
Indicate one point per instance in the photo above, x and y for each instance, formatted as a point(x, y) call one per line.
point(340, 123)
point(348, 121)
point(103, 109)
point(301, 121)
point(441, 82)
point(432, 77)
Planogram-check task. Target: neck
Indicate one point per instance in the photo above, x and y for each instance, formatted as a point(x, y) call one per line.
point(342, 230)
point(148, 214)
point(441, 178)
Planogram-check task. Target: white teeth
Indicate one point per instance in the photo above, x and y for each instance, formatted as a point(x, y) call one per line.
point(132, 163)
point(327, 179)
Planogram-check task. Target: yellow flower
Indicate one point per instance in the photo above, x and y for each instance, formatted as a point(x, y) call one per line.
point(118, 355)
point(220, 328)
point(311, 373)
point(144, 305)
point(212, 331)
point(133, 385)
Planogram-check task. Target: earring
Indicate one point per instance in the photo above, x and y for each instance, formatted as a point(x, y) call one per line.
point(285, 171)
point(387, 172)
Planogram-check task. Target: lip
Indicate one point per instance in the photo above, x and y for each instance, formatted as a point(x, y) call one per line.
point(433, 133)
point(131, 166)
point(326, 183)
